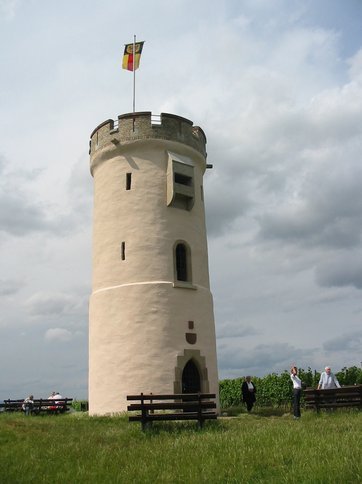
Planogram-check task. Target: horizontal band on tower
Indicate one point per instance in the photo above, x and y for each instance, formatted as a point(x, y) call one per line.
point(183, 285)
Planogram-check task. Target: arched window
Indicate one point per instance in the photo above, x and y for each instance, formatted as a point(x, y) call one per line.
point(181, 262)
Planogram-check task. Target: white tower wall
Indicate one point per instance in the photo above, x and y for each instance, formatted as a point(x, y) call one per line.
point(144, 323)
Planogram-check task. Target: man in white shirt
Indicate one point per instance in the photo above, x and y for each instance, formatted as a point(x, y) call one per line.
point(297, 390)
point(328, 380)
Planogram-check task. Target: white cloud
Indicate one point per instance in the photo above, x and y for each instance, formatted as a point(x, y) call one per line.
point(9, 287)
point(8, 8)
point(355, 66)
point(59, 334)
point(49, 304)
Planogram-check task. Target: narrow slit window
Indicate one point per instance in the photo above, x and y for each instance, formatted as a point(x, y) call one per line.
point(128, 181)
point(181, 262)
point(202, 192)
point(123, 251)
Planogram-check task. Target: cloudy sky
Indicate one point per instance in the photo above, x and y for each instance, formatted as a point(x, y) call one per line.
point(277, 87)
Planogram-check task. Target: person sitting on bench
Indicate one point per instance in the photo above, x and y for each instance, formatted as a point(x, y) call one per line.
point(28, 405)
point(55, 396)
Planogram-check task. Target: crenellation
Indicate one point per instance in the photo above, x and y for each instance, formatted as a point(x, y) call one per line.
point(139, 126)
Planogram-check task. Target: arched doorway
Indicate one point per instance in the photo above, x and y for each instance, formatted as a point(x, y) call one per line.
point(199, 361)
point(191, 382)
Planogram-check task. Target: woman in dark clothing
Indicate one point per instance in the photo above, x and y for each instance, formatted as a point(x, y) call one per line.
point(248, 391)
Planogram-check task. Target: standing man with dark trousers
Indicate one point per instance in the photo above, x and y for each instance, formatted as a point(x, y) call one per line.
point(297, 390)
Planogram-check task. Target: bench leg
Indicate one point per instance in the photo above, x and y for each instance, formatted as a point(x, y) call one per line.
point(146, 425)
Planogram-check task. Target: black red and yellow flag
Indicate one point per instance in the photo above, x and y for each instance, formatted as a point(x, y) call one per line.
point(128, 56)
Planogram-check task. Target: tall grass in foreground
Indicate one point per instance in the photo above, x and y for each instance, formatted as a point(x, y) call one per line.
point(75, 448)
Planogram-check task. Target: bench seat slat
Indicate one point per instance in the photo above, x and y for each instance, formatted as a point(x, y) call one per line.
point(335, 404)
point(333, 400)
point(173, 416)
point(347, 396)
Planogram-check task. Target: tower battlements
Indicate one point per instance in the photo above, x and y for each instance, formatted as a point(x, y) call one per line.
point(144, 126)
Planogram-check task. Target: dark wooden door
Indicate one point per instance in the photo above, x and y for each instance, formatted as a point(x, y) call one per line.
point(191, 378)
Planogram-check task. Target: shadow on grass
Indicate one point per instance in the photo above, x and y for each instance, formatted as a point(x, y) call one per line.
point(176, 428)
point(273, 412)
point(215, 425)
point(240, 411)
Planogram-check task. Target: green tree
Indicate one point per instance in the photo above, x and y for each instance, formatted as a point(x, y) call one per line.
point(350, 376)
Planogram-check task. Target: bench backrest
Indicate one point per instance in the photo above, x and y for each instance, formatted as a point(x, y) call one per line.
point(181, 401)
point(344, 396)
point(38, 402)
point(175, 396)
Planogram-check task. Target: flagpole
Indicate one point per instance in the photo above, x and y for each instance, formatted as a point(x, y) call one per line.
point(134, 74)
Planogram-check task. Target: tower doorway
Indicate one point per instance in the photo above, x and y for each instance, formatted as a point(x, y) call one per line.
point(191, 382)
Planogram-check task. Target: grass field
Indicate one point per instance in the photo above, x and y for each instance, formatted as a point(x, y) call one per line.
point(263, 447)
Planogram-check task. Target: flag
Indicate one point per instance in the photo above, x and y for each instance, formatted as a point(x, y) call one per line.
point(128, 56)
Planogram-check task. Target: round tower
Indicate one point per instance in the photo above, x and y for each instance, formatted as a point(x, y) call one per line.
point(151, 321)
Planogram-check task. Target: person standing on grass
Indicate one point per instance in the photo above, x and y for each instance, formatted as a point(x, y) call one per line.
point(248, 391)
point(328, 380)
point(297, 390)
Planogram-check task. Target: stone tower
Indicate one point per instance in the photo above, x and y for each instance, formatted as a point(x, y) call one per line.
point(151, 322)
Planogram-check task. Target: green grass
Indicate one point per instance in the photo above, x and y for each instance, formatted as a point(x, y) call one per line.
point(268, 446)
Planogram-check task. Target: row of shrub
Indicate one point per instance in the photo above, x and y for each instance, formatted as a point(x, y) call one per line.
point(276, 389)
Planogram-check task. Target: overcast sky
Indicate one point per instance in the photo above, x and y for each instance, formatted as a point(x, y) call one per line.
point(277, 87)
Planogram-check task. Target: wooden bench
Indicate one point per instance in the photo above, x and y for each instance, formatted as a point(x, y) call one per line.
point(348, 396)
point(41, 405)
point(185, 406)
